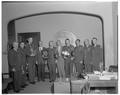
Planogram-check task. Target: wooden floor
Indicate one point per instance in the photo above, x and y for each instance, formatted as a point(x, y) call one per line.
point(45, 87)
point(38, 87)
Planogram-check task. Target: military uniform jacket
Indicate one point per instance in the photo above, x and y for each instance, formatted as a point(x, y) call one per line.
point(22, 56)
point(78, 54)
point(14, 60)
point(28, 49)
point(87, 55)
point(69, 49)
point(51, 55)
point(97, 54)
point(39, 55)
point(58, 51)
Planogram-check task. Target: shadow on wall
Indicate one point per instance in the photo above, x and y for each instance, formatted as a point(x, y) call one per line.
point(62, 35)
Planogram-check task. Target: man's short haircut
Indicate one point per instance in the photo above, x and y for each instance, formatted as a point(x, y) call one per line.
point(58, 41)
point(94, 38)
point(14, 43)
point(29, 38)
point(50, 42)
point(86, 40)
point(39, 42)
point(67, 39)
point(78, 40)
point(21, 42)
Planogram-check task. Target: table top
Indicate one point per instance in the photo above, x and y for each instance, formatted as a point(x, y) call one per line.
point(108, 79)
point(103, 83)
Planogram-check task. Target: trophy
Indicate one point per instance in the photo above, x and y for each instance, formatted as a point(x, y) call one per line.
point(45, 54)
point(65, 54)
point(33, 52)
point(101, 68)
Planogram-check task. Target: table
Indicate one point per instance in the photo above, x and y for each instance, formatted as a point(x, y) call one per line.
point(5, 83)
point(80, 86)
point(62, 86)
point(94, 81)
point(108, 80)
point(71, 86)
point(103, 83)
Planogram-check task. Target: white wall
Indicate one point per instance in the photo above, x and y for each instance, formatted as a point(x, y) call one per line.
point(15, 10)
point(81, 26)
point(115, 30)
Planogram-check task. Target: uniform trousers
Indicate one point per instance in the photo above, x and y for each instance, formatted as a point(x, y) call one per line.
point(60, 65)
point(17, 80)
point(79, 67)
point(41, 71)
point(68, 67)
point(88, 68)
point(52, 71)
point(31, 68)
point(24, 76)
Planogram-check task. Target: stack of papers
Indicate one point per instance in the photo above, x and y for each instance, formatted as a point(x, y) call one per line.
point(93, 76)
point(104, 76)
point(108, 77)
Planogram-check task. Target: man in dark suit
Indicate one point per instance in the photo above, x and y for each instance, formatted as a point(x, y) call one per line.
point(23, 63)
point(40, 61)
point(15, 66)
point(87, 57)
point(78, 56)
point(67, 54)
point(97, 55)
point(30, 52)
point(51, 61)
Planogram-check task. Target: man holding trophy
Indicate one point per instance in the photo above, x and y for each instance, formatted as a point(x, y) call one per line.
point(30, 52)
point(67, 55)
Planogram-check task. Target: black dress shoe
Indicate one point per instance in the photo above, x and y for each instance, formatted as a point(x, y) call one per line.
point(21, 89)
point(17, 91)
point(32, 82)
point(23, 86)
point(26, 85)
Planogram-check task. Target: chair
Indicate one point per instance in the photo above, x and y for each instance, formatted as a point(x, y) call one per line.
point(113, 68)
point(80, 86)
point(5, 82)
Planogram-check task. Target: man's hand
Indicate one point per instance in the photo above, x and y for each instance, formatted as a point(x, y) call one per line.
point(72, 58)
point(23, 72)
point(32, 54)
point(36, 62)
point(13, 70)
point(81, 62)
point(56, 61)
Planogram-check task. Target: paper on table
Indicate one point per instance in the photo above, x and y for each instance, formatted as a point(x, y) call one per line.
point(107, 77)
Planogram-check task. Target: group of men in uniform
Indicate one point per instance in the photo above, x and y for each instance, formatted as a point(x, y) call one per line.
point(23, 58)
